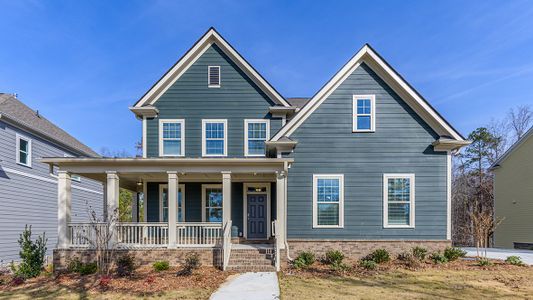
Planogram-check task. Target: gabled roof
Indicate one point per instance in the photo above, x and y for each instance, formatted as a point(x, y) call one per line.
point(209, 38)
point(511, 149)
point(371, 58)
point(21, 115)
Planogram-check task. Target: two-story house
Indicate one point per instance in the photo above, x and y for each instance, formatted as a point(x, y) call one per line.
point(28, 187)
point(364, 163)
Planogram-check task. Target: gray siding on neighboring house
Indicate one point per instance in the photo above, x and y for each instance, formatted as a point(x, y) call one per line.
point(400, 144)
point(191, 99)
point(29, 195)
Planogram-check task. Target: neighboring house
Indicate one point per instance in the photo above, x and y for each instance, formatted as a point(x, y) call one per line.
point(246, 165)
point(28, 188)
point(513, 195)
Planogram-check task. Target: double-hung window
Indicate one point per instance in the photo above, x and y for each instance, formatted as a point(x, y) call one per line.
point(256, 132)
point(171, 137)
point(399, 200)
point(364, 113)
point(180, 205)
point(214, 137)
point(328, 201)
point(23, 150)
point(211, 203)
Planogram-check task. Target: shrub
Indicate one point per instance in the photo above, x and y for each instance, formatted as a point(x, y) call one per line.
point(409, 260)
point(162, 265)
point(419, 253)
point(379, 256)
point(438, 258)
point(104, 282)
point(31, 253)
point(76, 266)
point(192, 262)
point(339, 267)
point(304, 260)
point(125, 265)
point(368, 264)
point(453, 253)
point(17, 280)
point(334, 257)
point(483, 262)
point(514, 260)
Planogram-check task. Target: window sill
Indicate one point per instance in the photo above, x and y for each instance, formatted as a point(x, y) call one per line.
point(398, 227)
point(357, 131)
point(24, 165)
point(213, 86)
point(328, 226)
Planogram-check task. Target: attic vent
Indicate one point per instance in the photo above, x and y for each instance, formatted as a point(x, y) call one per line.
point(213, 76)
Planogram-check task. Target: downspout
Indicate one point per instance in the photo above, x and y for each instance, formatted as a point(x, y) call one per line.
point(286, 169)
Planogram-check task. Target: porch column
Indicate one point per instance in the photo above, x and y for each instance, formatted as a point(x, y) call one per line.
point(280, 208)
point(226, 197)
point(112, 196)
point(64, 201)
point(172, 203)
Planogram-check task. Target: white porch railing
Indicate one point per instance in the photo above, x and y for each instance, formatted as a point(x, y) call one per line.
point(226, 247)
point(149, 234)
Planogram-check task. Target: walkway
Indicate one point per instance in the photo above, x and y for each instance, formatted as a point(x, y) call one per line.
point(496, 253)
point(256, 286)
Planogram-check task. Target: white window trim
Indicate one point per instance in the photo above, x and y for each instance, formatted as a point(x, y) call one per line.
point(372, 113)
point(386, 177)
point(204, 187)
point(267, 137)
point(182, 139)
point(17, 149)
point(182, 189)
point(204, 150)
point(209, 76)
point(74, 177)
point(315, 199)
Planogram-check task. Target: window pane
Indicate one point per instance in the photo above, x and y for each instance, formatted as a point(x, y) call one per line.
point(399, 189)
point(164, 204)
point(214, 147)
point(214, 130)
point(214, 197)
point(399, 213)
point(256, 147)
point(23, 144)
point(171, 130)
point(214, 215)
point(171, 147)
point(363, 122)
point(363, 106)
point(180, 208)
point(257, 131)
point(328, 213)
point(328, 190)
point(23, 157)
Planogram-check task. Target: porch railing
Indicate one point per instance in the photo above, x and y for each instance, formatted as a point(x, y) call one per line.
point(148, 234)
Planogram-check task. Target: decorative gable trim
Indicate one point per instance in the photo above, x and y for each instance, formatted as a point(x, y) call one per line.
point(209, 38)
point(371, 58)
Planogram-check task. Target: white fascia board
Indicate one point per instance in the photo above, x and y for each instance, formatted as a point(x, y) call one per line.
point(211, 37)
point(368, 56)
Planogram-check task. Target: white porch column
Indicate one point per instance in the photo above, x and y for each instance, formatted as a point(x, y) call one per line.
point(172, 207)
point(226, 197)
point(64, 202)
point(112, 196)
point(280, 208)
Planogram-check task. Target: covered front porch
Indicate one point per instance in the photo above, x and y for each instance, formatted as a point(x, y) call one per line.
point(218, 201)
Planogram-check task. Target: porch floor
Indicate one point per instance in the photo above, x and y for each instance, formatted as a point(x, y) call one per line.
point(252, 246)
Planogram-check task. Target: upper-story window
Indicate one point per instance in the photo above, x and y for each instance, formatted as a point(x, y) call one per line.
point(256, 132)
point(213, 76)
point(23, 150)
point(398, 200)
point(171, 137)
point(214, 138)
point(364, 113)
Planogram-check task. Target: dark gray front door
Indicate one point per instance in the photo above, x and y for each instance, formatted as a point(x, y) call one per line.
point(257, 219)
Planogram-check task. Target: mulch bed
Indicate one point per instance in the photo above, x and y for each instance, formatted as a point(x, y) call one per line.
point(144, 281)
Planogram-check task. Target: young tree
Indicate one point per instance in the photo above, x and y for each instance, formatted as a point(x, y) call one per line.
point(520, 120)
point(124, 205)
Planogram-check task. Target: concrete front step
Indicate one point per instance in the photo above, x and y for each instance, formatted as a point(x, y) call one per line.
point(252, 268)
point(255, 262)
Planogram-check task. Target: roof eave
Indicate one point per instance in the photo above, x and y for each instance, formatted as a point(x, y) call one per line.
point(445, 144)
point(145, 111)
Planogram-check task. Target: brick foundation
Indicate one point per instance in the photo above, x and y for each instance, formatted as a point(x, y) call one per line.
point(354, 250)
point(143, 257)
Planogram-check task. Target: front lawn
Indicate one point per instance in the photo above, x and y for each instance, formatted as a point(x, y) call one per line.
point(457, 280)
point(144, 284)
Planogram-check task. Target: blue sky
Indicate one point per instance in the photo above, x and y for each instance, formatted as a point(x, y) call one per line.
point(82, 63)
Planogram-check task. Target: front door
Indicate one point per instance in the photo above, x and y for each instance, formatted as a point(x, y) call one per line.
point(257, 219)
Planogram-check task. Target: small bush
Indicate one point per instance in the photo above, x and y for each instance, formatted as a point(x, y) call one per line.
point(419, 253)
point(304, 260)
point(125, 265)
point(334, 257)
point(339, 267)
point(368, 264)
point(32, 254)
point(514, 260)
point(379, 256)
point(192, 262)
point(438, 258)
point(17, 280)
point(453, 253)
point(409, 260)
point(483, 262)
point(76, 266)
point(162, 265)
point(104, 282)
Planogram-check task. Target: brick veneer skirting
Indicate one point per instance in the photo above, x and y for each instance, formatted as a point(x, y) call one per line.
point(357, 249)
point(143, 257)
